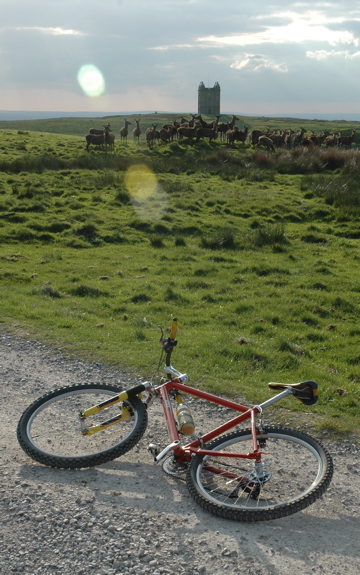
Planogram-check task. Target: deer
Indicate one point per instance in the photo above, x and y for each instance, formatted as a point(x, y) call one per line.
point(207, 124)
point(150, 135)
point(109, 140)
point(137, 131)
point(237, 135)
point(298, 137)
point(346, 140)
point(186, 132)
point(288, 139)
point(97, 132)
point(255, 135)
point(97, 139)
point(188, 123)
point(172, 129)
point(165, 134)
point(278, 139)
point(210, 133)
point(267, 142)
point(124, 131)
point(223, 127)
point(331, 140)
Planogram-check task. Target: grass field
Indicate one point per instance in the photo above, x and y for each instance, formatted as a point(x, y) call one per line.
point(256, 254)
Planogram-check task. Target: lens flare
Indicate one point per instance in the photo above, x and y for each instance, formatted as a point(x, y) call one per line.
point(147, 196)
point(91, 80)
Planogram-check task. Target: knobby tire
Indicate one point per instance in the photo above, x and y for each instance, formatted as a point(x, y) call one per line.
point(296, 471)
point(49, 429)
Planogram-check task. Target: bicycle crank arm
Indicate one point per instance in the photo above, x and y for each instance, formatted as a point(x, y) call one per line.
point(166, 450)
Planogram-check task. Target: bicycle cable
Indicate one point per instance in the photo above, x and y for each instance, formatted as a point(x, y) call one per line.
point(156, 372)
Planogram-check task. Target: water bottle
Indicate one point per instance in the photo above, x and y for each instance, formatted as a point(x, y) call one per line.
point(185, 422)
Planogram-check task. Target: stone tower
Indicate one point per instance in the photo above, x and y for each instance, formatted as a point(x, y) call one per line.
point(209, 100)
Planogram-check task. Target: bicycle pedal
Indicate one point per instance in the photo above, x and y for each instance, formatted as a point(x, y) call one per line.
point(154, 449)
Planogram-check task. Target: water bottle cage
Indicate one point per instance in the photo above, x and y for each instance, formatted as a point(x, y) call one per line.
point(168, 344)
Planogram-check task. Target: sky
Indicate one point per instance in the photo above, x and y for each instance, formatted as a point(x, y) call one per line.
point(151, 55)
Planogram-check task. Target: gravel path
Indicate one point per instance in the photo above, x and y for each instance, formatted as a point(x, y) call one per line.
point(129, 517)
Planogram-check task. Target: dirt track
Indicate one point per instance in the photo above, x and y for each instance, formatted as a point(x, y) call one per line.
point(129, 517)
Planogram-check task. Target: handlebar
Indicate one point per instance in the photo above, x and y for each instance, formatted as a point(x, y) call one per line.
point(168, 343)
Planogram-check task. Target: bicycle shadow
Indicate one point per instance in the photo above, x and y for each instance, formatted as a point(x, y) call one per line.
point(302, 543)
point(133, 483)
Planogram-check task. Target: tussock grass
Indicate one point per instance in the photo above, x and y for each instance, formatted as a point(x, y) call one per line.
point(269, 234)
point(219, 240)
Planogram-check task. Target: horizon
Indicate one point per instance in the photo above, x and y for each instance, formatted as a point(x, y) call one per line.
point(25, 115)
point(29, 115)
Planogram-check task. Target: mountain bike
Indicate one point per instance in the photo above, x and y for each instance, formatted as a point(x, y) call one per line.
point(261, 473)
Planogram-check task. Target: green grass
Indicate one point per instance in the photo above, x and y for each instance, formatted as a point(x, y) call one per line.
point(256, 254)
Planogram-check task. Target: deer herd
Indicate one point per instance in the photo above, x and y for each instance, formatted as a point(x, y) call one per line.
point(196, 128)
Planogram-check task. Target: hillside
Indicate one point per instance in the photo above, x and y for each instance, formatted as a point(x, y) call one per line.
point(79, 126)
point(256, 253)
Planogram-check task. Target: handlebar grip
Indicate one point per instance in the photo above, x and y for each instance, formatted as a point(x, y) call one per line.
point(173, 328)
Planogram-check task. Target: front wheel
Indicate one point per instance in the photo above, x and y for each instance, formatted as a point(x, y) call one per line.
point(49, 430)
point(295, 470)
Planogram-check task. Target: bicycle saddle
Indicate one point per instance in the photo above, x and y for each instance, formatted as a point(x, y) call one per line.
point(305, 391)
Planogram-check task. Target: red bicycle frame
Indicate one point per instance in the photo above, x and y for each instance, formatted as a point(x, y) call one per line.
point(184, 452)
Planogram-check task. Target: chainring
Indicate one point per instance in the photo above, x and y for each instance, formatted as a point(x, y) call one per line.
point(174, 468)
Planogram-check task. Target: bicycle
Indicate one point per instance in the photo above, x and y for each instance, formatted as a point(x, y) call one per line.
point(255, 474)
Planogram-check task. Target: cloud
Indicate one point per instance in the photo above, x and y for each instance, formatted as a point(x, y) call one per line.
point(292, 33)
point(50, 30)
point(171, 47)
point(289, 28)
point(325, 54)
point(257, 62)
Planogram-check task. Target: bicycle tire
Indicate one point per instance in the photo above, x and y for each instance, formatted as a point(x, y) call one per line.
point(49, 429)
point(297, 471)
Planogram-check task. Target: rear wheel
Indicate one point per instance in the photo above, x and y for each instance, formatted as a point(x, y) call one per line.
point(49, 430)
point(295, 471)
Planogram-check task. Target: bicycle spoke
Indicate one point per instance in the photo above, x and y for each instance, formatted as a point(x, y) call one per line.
point(51, 432)
point(294, 468)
